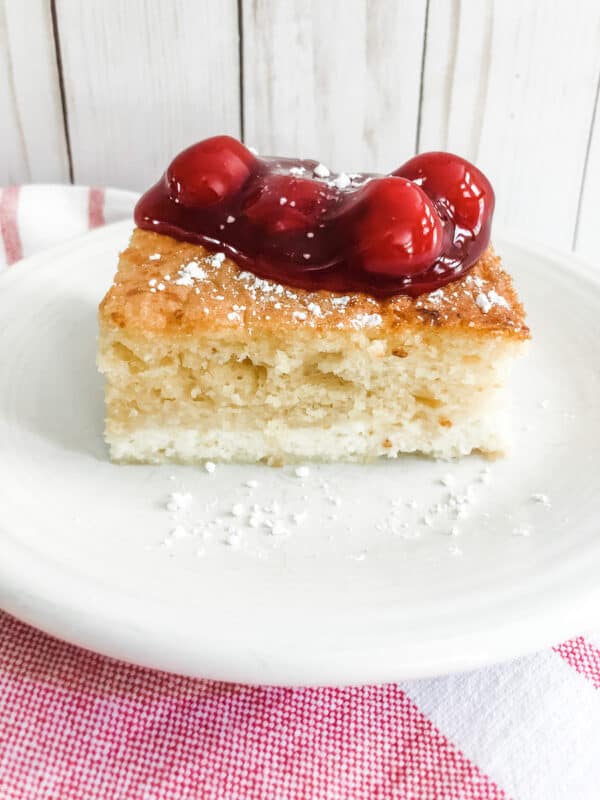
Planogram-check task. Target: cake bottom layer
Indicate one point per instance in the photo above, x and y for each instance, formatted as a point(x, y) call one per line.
point(343, 396)
point(278, 444)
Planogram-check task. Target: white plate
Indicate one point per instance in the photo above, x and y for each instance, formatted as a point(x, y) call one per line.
point(363, 589)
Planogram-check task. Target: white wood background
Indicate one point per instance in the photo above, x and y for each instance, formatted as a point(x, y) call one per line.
point(106, 91)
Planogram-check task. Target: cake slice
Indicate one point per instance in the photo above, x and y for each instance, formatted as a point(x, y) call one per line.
point(204, 360)
point(270, 311)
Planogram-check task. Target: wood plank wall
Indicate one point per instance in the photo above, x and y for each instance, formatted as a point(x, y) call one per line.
point(106, 92)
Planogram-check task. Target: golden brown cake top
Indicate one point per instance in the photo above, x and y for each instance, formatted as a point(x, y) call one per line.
point(164, 284)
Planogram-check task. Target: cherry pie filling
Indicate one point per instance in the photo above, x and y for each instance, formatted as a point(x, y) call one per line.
point(294, 222)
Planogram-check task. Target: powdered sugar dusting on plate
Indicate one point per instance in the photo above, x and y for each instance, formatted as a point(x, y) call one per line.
point(276, 510)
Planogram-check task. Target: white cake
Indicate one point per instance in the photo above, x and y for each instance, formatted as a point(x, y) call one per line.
point(205, 361)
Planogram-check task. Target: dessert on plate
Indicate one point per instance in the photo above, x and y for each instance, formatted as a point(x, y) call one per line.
point(270, 310)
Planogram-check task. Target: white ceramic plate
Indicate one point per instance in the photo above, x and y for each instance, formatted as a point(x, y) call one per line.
point(362, 589)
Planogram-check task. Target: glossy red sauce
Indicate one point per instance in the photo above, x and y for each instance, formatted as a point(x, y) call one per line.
point(409, 232)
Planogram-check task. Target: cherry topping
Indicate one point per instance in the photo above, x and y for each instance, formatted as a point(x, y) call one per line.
point(399, 232)
point(296, 223)
point(283, 203)
point(459, 189)
point(208, 172)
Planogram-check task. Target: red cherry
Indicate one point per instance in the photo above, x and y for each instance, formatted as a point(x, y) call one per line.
point(208, 172)
point(455, 185)
point(399, 231)
point(284, 203)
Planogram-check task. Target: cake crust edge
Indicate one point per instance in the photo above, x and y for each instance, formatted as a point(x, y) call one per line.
point(156, 291)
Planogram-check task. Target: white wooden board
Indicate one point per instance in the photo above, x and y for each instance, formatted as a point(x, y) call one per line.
point(32, 139)
point(337, 80)
point(588, 224)
point(143, 79)
point(359, 84)
point(512, 85)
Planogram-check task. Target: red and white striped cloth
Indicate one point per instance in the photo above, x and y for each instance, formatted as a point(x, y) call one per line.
point(33, 218)
point(78, 726)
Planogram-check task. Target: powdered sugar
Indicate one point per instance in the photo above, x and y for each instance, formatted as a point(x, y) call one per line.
point(366, 320)
point(436, 297)
point(340, 302)
point(542, 499)
point(342, 181)
point(485, 302)
point(321, 171)
point(257, 517)
point(189, 273)
point(178, 501)
point(497, 299)
point(482, 301)
point(216, 259)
